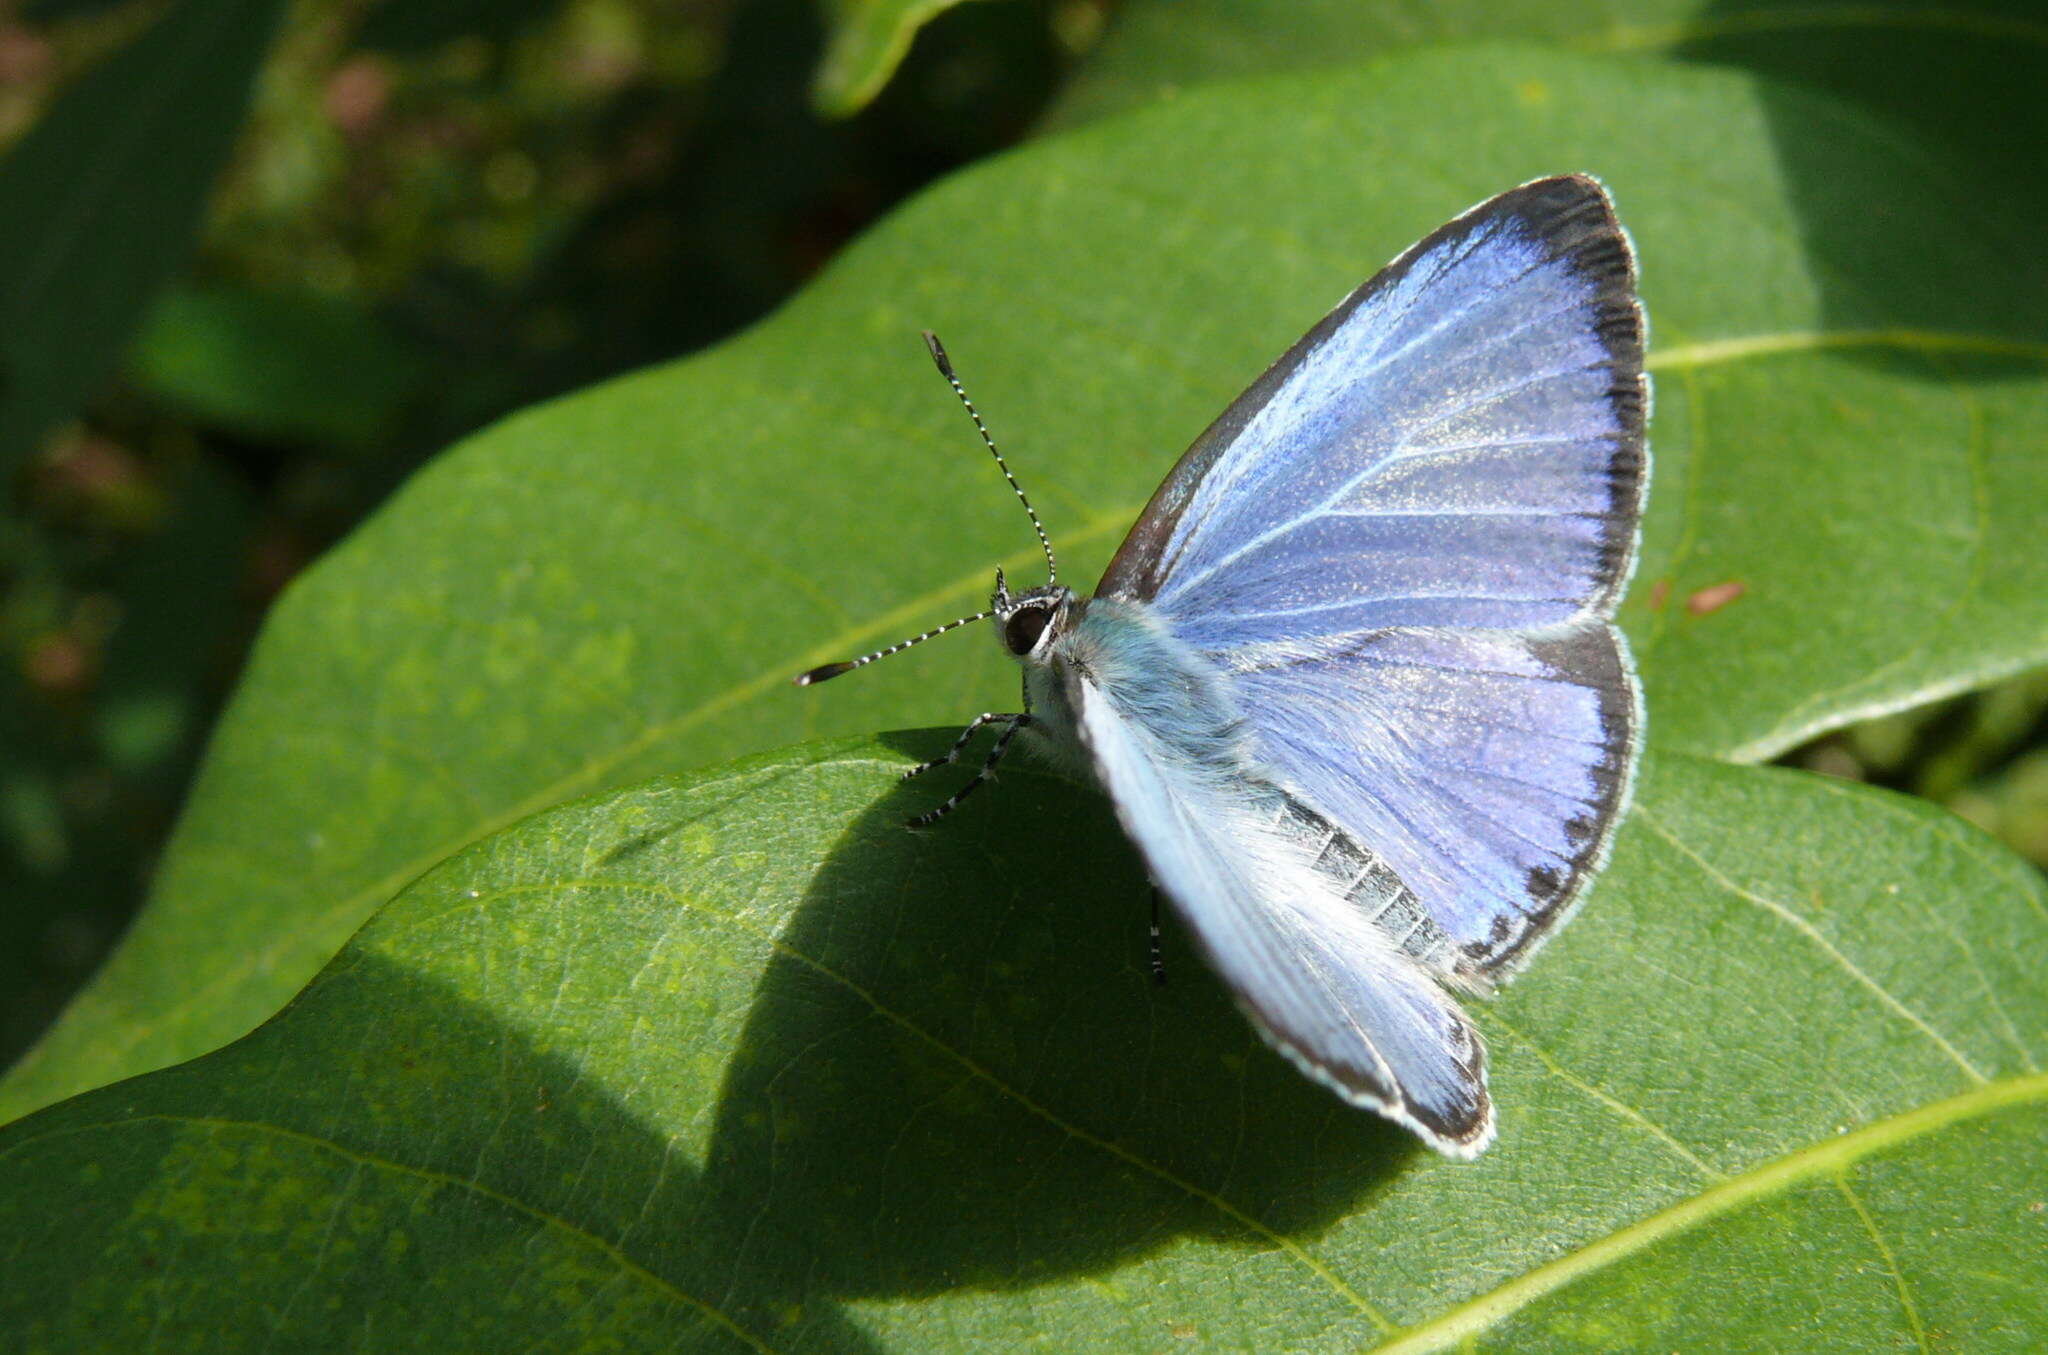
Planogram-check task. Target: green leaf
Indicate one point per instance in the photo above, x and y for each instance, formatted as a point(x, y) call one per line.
point(739, 1062)
point(1962, 73)
point(273, 365)
point(867, 40)
point(1850, 409)
point(101, 198)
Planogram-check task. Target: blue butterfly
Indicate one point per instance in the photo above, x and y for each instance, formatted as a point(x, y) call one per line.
point(1352, 683)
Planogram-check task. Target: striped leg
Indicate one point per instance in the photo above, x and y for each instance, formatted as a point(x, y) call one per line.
point(995, 755)
point(952, 755)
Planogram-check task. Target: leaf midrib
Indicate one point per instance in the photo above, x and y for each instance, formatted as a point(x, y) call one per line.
point(1725, 1191)
point(972, 1067)
point(1457, 1324)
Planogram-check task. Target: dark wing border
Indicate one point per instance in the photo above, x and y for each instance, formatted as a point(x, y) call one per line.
point(1598, 652)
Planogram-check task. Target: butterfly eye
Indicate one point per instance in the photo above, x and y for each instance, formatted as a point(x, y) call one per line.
point(1021, 631)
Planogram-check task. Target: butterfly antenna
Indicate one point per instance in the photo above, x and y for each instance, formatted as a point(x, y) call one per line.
point(931, 341)
point(833, 670)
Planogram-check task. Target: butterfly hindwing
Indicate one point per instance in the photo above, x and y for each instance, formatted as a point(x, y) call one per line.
point(1324, 985)
point(1352, 682)
point(1484, 767)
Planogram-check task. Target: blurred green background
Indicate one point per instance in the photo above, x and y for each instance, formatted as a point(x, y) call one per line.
point(433, 213)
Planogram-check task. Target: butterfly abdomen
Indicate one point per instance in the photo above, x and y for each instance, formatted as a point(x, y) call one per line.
point(1369, 884)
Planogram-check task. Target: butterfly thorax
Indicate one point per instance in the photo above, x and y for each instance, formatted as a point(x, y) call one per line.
point(1119, 648)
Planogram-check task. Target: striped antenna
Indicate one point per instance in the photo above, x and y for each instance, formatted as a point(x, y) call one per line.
point(833, 670)
point(826, 671)
point(931, 341)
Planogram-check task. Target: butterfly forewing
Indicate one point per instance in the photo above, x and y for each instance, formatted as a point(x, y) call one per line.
point(1478, 405)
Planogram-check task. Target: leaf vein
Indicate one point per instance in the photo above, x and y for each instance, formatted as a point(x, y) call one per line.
point(1814, 935)
point(977, 1072)
point(249, 961)
point(1619, 1107)
point(1891, 1261)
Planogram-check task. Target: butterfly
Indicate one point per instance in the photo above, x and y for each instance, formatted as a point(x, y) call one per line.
point(1353, 683)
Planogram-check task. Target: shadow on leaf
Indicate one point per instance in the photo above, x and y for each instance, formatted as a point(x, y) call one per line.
point(593, 1078)
point(956, 1072)
point(441, 1178)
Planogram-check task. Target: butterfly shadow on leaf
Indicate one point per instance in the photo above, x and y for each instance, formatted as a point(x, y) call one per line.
point(957, 1071)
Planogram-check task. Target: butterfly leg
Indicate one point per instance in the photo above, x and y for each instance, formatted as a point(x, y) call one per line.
point(1158, 953)
point(995, 755)
point(952, 755)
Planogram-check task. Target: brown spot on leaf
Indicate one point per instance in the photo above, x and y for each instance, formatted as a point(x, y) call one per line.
point(1715, 596)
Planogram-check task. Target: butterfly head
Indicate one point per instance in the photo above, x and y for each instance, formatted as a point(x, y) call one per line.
point(1028, 622)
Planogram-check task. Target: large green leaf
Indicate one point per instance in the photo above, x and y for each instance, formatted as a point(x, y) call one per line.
point(739, 1062)
point(100, 196)
point(1963, 73)
point(866, 41)
point(1850, 411)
